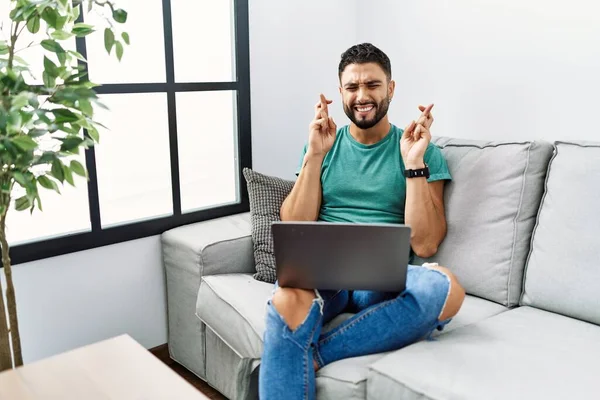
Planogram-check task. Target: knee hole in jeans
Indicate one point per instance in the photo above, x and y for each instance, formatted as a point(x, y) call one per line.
point(293, 305)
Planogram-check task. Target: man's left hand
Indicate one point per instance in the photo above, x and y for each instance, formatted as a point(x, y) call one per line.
point(416, 138)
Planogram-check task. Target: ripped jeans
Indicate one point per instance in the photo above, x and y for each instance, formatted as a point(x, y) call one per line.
point(383, 321)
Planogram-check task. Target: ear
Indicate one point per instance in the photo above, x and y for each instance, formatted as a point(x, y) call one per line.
point(340, 89)
point(391, 88)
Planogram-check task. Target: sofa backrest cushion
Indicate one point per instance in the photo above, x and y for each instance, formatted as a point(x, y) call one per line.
point(563, 270)
point(491, 206)
point(266, 195)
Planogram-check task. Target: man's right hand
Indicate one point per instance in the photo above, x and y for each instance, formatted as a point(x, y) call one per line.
point(322, 130)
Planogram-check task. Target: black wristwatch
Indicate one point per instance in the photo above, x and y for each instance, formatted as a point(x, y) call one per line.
point(417, 173)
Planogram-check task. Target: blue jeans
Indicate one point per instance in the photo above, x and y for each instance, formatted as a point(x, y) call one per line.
point(383, 322)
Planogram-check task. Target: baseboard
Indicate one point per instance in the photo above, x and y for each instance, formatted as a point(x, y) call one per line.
point(162, 353)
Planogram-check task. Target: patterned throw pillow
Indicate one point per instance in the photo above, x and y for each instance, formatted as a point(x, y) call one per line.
point(266, 194)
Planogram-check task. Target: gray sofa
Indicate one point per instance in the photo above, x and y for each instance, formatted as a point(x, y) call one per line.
point(522, 238)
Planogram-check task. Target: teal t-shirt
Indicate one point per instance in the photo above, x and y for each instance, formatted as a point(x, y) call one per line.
point(366, 183)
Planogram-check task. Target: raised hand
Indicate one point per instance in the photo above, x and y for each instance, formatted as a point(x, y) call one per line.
point(322, 129)
point(416, 138)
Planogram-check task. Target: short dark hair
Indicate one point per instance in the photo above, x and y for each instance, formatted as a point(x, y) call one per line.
point(365, 53)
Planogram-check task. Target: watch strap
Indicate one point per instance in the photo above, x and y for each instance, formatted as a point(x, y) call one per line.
point(417, 173)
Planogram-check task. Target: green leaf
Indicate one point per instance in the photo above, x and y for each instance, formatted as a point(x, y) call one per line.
point(20, 101)
point(20, 178)
point(125, 37)
point(61, 21)
point(119, 50)
point(26, 116)
point(68, 175)
point(57, 170)
point(15, 121)
point(36, 132)
point(21, 60)
point(81, 30)
point(50, 68)
point(52, 45)
point(50, 16)
point(33, 25)
point(17, 14)
point(86, 107)
point(45, 158)
point(39, 203)
point(48, 183)
point(29, 10)
point(22, 203)
point(86, 93)
point(3, 119)
point(70, 143)
point(61, 35)
point(5, 187)
point(62, 58)
point(109, 39)
point(120, 15)
point(93, 132)
point(76, 12)
point(64, 115)
point(49, 81)
point(77, 55)
point(25, 143)
point(77, 168)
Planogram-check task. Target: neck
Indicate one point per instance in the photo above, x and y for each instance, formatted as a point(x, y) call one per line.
point(373, 134)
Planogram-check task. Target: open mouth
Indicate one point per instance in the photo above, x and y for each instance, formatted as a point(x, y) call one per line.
point(364, 109)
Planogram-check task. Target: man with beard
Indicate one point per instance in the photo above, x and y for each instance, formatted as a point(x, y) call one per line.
point(367, 172)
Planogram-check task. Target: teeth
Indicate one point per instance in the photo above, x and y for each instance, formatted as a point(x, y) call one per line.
point(364, 109)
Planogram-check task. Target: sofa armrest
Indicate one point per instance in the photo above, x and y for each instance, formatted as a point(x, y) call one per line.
point(218, 246)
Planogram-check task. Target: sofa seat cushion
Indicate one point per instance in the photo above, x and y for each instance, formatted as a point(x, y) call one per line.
point(473, 310)
point(233, 306)
point(525, 353)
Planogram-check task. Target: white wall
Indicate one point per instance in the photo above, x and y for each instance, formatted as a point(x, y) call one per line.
point(295, 48)
point(72, 300)
point(496, 69)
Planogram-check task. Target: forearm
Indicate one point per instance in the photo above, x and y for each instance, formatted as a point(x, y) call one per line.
point(304, 201)
point(428, 225)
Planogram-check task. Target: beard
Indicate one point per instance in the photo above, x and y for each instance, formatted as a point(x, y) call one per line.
point(380, 109)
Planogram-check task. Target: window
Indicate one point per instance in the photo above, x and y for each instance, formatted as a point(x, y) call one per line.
point(177, 137)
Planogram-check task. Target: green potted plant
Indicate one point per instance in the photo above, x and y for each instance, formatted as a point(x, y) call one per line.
point(41, 125)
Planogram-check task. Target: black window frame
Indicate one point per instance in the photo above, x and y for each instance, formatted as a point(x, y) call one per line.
point(98, 236)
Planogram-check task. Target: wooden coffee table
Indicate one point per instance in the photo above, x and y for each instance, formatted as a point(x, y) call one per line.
point(118, 368)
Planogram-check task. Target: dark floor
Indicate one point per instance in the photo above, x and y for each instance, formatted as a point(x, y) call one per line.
point(196, 382)
point(162, 353)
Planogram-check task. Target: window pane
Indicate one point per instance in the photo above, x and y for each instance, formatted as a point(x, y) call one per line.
point(207, 141)
point(144, 60)
point(133, 158)
point(63, 213)
point(203, 40)
point(28, 45)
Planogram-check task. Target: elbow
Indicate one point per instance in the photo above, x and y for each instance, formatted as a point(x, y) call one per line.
point(425, 251)
point(425, 248)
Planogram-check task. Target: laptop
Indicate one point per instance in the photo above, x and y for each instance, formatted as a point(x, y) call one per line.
point(341, 256)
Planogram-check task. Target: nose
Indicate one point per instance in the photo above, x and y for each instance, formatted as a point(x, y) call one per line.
point(362, 95)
